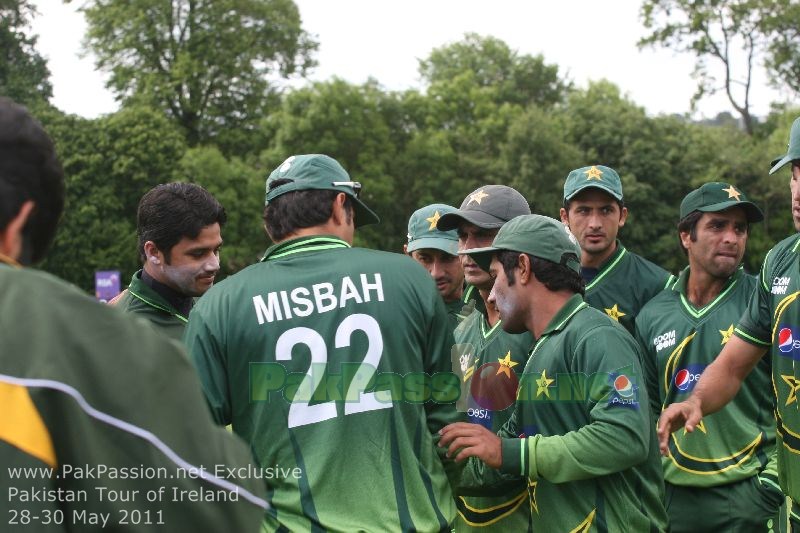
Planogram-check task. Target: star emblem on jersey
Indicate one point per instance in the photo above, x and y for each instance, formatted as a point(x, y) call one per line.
point(614, 312)
point(506, 364)
point(433, 220)
point(794, 386)
point(726, 334)
point(594, 173)
point(543, 383)
point(732, 193)
point(477, 197)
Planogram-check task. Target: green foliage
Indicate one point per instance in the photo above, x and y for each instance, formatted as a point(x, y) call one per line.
point(207, 63)
point(109, 164)
point(779, 21)
point(24, 76)
point(239, 188)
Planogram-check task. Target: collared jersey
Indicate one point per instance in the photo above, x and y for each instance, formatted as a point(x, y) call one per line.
point(772, 320)
point(581, 431)
point(457, 311)
point(140, 299)
point(624, 283)
point(92, 400)
point(490, 364)
point(679, 341)
point(325, 358)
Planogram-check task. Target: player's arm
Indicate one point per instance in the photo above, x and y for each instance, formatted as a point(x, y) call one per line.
point(718, 384)
point(201, 343)
point(616, 438)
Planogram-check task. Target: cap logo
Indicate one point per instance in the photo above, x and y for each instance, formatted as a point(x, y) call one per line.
point(594, 173)
point(733, 193)
point(433, 220)
point(286, 164)
point(477, 197)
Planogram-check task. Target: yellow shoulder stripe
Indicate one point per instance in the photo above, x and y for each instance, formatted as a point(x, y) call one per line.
point(22, 426)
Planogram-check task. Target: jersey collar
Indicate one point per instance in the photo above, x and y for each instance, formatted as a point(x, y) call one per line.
point(609, 265)
point(680, 287)
point(303, 244)
point(565, 314)
point(141, 291)
point(4, 259)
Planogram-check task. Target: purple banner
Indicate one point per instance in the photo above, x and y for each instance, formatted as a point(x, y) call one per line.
point(106, 284)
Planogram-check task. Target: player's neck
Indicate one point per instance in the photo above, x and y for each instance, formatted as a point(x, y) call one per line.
point(597, 260)
point(702, 287)
point(547, 306)
point(329, 228)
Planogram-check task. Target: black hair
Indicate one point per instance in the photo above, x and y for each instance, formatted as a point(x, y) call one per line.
point(171, 211)
point(554, 276)
point(29, 170)
point(295, 210)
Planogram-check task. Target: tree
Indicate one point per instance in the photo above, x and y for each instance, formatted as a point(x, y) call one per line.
point(210, 64)
point(726, 32)
point(518, 79)
point(779, 21)
point(24, 76)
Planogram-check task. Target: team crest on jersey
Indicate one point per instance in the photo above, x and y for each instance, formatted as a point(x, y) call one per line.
point(780, 284)
point(665, 340)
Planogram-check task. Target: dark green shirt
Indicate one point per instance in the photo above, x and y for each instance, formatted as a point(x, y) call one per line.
point(624, 283)
point(772, 320)
point(679, 342)
point(91, 399)
point(325, 358)
point(140, 299)
point(581, 432)
point(489, 391)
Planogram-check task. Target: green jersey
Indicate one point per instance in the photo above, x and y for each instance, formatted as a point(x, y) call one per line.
point(581, 431)
point(457, 311)
point(140, 299)
point(679, 341)
point(325, 358)
point(623, 284)
point(472, 300)
point(490, 362)
point(772, 320)
point(103, 423)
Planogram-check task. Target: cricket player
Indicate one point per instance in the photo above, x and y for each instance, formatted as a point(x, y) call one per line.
point(618, 282)
point(332, 362)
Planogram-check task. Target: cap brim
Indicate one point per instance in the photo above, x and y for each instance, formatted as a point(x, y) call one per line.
point(363, 214)
point(483, 220)
point(445, 245)
point(751, 210)
point(781, 162)
point(593, 185)
point(481, 256)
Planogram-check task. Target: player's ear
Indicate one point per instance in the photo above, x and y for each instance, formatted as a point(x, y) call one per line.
point(11, 235)
point(524, 267)
point(564, 216)
point(339, 211)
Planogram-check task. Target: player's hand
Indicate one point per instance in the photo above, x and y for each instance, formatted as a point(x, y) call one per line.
point(473, 440)
point(677, 415)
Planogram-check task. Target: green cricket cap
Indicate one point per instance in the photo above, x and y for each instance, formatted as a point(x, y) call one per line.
point(488, 207)
point(717, 196)
point(319, 172)
point(596, 176)
point(422, 231)
point(794, 148)
point(537, 235)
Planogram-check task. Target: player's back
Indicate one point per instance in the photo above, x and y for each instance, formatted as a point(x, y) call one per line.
point(286, 349)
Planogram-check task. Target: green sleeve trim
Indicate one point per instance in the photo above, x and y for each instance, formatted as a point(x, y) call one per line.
point(764, 271)
point(767, 480)
point(752, 340)
point(513, 456)
point(670, 279)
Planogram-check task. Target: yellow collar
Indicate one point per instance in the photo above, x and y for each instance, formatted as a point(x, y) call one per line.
point(9, 261)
